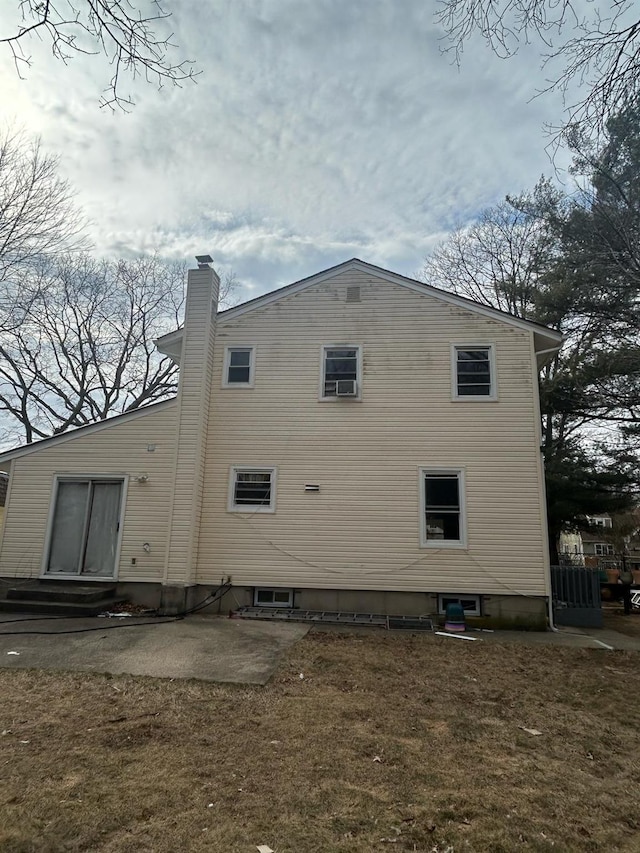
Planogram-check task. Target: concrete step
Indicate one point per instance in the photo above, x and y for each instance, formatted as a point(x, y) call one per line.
point(59, 608)
point(56, 592)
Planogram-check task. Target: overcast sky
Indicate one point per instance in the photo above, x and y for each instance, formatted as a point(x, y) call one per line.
point(316, 132)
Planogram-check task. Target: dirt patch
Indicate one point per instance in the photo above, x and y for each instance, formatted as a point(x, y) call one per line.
point(616, 619)
point(385, 742)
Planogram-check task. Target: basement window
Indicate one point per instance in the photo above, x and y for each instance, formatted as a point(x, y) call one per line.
point(470, 603)
point(272, 597)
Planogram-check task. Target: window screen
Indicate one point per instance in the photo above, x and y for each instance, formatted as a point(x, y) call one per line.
point(473, 372)
point(239, 366)
point(442, 506)
point(252, 488)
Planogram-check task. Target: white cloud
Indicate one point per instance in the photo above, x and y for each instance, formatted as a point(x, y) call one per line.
point(315, 132)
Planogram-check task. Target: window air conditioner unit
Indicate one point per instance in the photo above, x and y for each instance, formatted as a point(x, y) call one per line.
point(346, 388)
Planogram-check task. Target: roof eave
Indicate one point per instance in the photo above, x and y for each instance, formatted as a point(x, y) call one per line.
point(171, 345)
point(546, 344)
point(61, 438)
point(547, 341)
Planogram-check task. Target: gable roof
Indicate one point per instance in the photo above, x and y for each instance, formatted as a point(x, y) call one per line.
point(61, 438)
point(546, 340)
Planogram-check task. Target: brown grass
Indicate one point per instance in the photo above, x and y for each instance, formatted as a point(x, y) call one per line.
point(388, 743)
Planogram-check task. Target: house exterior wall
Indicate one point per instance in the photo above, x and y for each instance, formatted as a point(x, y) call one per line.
point(117, 448)
point(361, 529)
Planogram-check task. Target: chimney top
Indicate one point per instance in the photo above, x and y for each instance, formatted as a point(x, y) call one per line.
point(204, 261)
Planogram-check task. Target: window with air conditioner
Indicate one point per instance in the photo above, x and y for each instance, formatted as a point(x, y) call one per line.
point(252, 489)
point(341, 372)
point(473, 372)
point(442, 508)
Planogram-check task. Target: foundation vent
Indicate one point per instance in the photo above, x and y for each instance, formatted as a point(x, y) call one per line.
point(353, 293)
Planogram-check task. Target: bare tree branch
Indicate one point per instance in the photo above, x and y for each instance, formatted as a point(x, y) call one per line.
point(85, 349)
point(598, 45)
point(499, 259)
point(131, 35)
point(37, 218)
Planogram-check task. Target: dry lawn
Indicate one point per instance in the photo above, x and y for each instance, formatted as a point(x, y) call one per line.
point(394, 743)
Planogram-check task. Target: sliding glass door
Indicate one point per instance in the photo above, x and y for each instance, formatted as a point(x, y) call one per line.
point(85, 528)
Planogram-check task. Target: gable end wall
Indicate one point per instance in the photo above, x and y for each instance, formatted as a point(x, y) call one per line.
point(361, 530)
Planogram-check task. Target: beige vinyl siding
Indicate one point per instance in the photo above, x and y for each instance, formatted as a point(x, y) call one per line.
point(191, 428)
point(362, 529)
point(120, 448)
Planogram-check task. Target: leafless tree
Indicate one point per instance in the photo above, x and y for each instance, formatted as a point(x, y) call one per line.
point(85, 350)
point(597, 44)
point(37, 217)
point(131, 35)
point(498, 259)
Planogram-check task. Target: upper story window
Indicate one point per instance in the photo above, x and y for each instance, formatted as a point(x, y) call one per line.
point(474, 372)
point(341, 371)
point(604, 549)
point(442, 499)
point(252, 489)
point(599, 520)
point(238, 367)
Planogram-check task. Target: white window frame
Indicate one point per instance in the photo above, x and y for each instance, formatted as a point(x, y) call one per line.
point(606, 549)
point(83, 478)
point(473, 398)
point(335, 398)
point(272, 589)
point(458, 596)
point(441, 544)
point(252, 469)
point(227, 363)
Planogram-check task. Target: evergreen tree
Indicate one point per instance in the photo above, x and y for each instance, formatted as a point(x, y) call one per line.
point(572, 262)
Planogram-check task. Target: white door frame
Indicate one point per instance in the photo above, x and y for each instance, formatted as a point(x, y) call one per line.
point(83, 478)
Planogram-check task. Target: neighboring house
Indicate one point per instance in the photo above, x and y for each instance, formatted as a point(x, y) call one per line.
point(599, 550)
point(601, 545)
point(587, 547)
point(570, 548)
point(355, 441)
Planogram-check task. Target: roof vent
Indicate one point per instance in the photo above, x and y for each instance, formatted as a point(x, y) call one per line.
point(353, 293)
